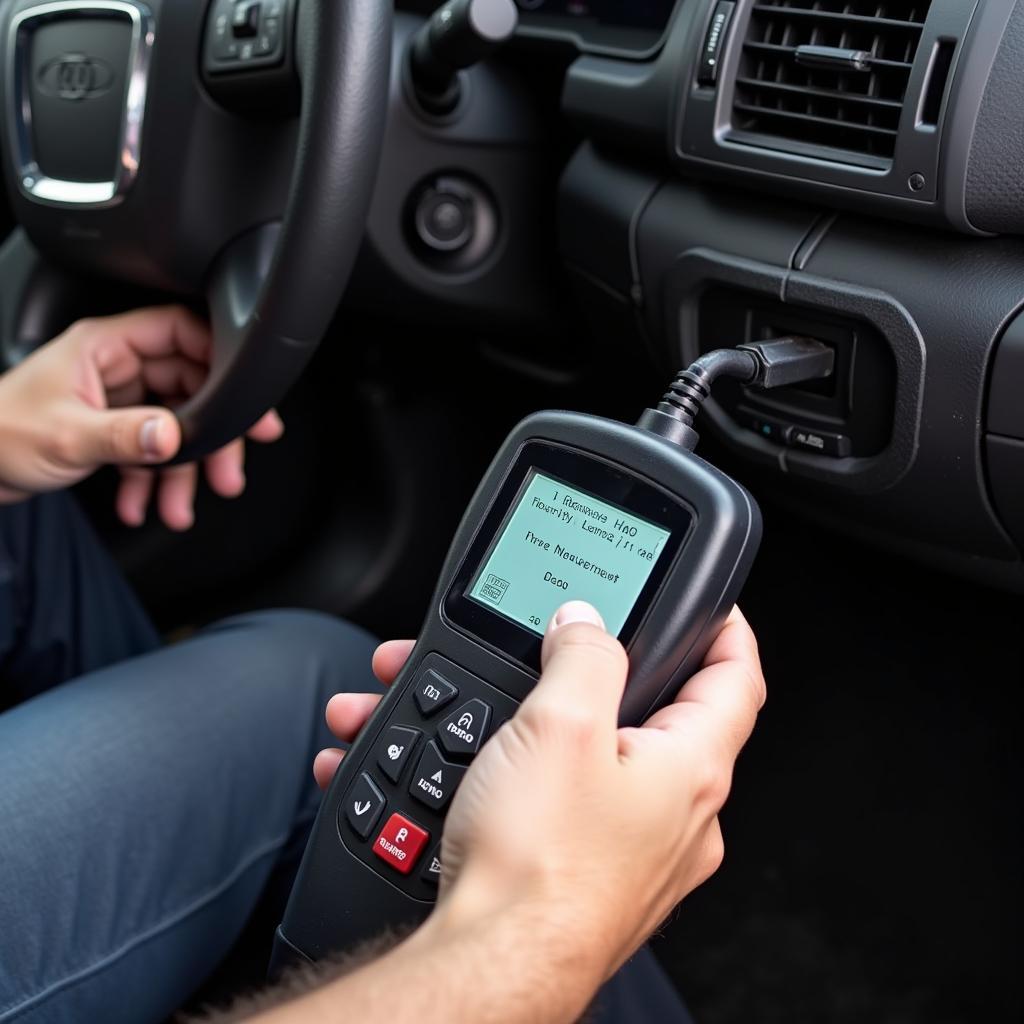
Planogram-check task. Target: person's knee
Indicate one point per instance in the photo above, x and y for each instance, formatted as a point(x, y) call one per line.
point(292, 640)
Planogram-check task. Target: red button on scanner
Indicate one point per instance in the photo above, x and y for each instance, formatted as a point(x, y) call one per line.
point(400, 843)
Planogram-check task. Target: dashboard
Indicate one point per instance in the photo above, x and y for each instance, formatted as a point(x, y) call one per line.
point(852, 170)
point(633, 27)
point(693, 175)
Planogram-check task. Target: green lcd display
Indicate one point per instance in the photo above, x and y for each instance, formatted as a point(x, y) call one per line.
point(561, 544)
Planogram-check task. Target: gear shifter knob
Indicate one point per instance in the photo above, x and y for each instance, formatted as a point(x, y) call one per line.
point(457, 35)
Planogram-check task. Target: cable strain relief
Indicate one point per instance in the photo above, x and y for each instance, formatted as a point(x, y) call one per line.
point(670, 427)
point(687, 393)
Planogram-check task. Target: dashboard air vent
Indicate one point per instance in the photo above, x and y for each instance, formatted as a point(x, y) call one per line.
point(828, 73)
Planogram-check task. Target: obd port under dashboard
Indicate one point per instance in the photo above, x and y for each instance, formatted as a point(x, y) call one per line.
point(849, 413)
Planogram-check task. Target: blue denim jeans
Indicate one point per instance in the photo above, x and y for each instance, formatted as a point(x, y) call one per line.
point(147, 793)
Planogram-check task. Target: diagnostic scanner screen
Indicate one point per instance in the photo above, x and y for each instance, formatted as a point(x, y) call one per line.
point(562, 544)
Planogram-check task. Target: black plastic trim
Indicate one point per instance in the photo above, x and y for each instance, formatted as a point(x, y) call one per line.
point(536, 25)
point(704, 134)
point(989, 150)
point(697, 269)
point(1006, 379)
point(658, 106)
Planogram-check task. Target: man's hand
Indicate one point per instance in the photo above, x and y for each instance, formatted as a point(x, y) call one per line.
point(77, 404)
point(604, 829)
point(577, 835)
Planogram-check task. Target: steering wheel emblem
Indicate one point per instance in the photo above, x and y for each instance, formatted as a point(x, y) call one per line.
point(76, 76)
point(51, 62)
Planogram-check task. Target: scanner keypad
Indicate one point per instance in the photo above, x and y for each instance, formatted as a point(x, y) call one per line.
point(412, 770)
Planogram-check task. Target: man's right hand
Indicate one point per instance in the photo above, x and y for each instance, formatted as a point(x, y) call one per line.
point(590, 832)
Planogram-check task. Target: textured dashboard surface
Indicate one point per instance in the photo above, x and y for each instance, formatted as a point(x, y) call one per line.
point(995, 174)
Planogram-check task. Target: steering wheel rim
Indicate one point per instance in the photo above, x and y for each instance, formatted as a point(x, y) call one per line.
point(276, 268)
point(274, 290)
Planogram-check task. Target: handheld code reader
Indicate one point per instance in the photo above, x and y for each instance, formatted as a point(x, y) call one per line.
point(573, 507)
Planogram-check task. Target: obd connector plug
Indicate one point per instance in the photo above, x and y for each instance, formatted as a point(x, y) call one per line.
point(761, 364)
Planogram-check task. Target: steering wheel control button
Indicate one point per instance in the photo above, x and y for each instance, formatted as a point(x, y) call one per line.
point(363, 805)
point(431, 873)
point(245, 20)
point(400, 843)
point(244, 35)
point(395, 749)
point(463, 731)
point(435, 779)
point(267, 42)
point(433, 692)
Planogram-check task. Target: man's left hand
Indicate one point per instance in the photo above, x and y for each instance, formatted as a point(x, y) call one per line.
point(77, 404)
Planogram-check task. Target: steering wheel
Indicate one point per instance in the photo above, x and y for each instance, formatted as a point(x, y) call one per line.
point(144, 141)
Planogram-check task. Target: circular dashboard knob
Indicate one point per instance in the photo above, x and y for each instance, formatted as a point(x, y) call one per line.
point(451, 223)
point(444, 219)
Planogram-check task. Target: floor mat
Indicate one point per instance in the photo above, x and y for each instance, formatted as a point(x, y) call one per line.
point(873, 839)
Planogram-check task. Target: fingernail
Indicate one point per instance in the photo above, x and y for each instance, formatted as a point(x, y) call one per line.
point(149, 437)
point(577, 611)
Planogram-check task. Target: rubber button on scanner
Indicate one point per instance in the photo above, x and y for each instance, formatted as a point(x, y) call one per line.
point(431, 873)
point(433, 692)
point(400, 843)
point(363, 805)
point(435, 779)
point(462, 732)
point(396, 746)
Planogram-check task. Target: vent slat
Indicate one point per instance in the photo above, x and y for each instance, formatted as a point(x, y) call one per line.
point(857, 112)
point(915, 11)
point(838, 16)
point(850, 125)
point(825, 94)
